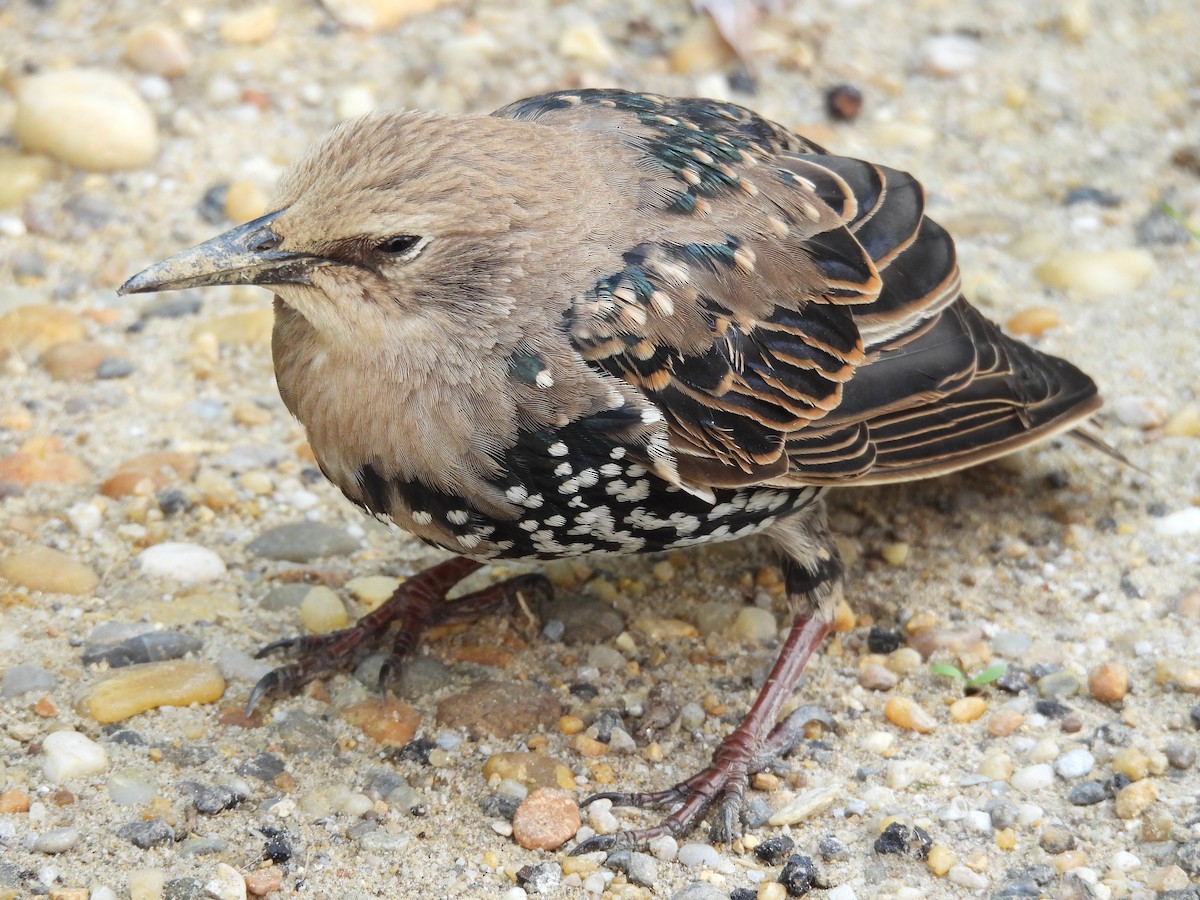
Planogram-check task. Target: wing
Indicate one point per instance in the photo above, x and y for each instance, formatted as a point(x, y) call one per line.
point(794, 315)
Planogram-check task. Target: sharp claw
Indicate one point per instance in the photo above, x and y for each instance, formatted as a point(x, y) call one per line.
point(597, 842)
point(811, 712)
point(264, 686)
point(282, 644)
point(616, 798)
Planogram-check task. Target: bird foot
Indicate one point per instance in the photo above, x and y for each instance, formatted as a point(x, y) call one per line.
point(417, 604)
point(726, 779)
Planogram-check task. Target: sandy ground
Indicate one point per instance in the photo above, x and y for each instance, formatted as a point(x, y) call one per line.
point(1070, 552)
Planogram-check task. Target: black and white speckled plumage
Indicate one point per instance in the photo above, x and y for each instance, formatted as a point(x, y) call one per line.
point(600, 321)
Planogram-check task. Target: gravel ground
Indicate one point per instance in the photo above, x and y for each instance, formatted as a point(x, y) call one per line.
point(146, 466)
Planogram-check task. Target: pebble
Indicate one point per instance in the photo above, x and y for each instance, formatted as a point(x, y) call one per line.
point(1004, 722)
point(245, 200)
point(808, 804)
point(135, 689)
point(1086, 793)
point(695, 855)
point(226, 883)
point(153, 646)
point(183, 562)
point(1134, 799)
point(42, 462)
point(252, 25)
point(1138, 411)
point(906, 713)
point(875, 677)
point(158, 50)
point(967, 709)
point(500, 709)
point(949, 55)
point(46, 569)
point(1109, 682)
point(87, 118)
point(146, 884)
point(601, 818)
point(20, 176)
point(533, 770)
point(32, 330)
point(56, 840)
point(303, 541)
point(26, 678)
point(1131, 762)
point(997, 766)
point(69, 754)
point(75, 360)
point(586, 44)
point(1176, 524)
point(978, 821)
point(1057, 685)
point(1180, 754)
point(1184, 423)
point(322, 611)
point(1097, 273)
point(131, 787)
point(752, 625)
point(149, 472)
point(1187, 856)
point(966, 877)
point(903, 772)
point(378, 15)
point(390, 723)
point(1055, 838)
point(1033, 321)
point(640, 868)
point(545, 820)
point(372, 591)
point(1075, 763)
point(1032, 778)
point(585, 620)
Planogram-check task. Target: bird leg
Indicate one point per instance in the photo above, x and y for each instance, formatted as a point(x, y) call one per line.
point(417, 604)
point(813, 574)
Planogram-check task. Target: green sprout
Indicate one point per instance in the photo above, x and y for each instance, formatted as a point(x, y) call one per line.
point(1175, 214)
point(976, 682)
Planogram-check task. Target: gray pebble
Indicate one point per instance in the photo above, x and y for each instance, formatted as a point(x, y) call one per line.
point(248, 456)
point(303, 541)
point(756, 813)
point(1057, 685)
point(699, 890)
point(56, 840)
point(285, 596)
point(1002, 812)
point(554, 630)
point(183, 889)
point(585, 620)
point(1086, 793)
point(640, 868)
point(1074, 763)
point(1056, 838)
point(212, 799)
point(1180, 754)
point(1194, 715)
point(695, 854)
point(114, 367)
point(266, 767)
point(202, 846)
point(24, 679)
point(145, 835)
point(1011, 644)
point(185, 303)
point(1188, 857)
point(691, 716)
point(206, 410)
point(831, 848)
point(153, 646)
point(384, 841)
point(131, 787)
point(543, 878)
point(1156, 227)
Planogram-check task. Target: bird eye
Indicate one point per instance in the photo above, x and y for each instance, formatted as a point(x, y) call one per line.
point(401, 245)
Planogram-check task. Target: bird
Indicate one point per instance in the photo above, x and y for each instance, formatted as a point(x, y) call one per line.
point(603, 321)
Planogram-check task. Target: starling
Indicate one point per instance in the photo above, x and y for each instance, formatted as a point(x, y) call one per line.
point(602, 321)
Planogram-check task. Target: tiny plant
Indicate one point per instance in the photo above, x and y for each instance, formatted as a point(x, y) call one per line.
point(975, 682)
point(1178, 217)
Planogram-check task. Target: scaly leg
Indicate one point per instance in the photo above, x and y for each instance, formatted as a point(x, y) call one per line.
point(813, 575)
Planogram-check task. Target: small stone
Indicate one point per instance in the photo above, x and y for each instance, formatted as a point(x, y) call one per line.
point(182, 562)
point(1185, 521)
point(1132, 763)
point(1133, 800)
point(695, 856)
point(34, 329)
point(46, 569)
point(245, 200)
point(262, 882)
point(135, 689)
point(843, 102)
point(701, 49)
point(1002, 813)
point(534, 770)
point(87, 118)
point(949, 55)
point(1180, 754)
point(75, 360)
point(149, 472)
point(56, 840)
point(146, 834)
point(1033, 321)
point(941, 858)
point(250, 328)
point(14, 800)
point(1169, 880)
point(752, 625)
point(774, 850)
point(158, 50)
point(1140, 412)
point(500, 709)
point(1032, 778)
point(146, 884)
point(875, 677)
point(903, 772)
point(1075, 763)
point(1187, 856)
point(322, 611)
point(997, 766)
point(131, 787)
point(967, 878)
point(390, 723)
point(69, 754)
point(1004, 722)
point(20, 176)
point(114, 367)
point(1109, 682)
point(227, 883)
point(1057, 685)
point(154, 646)
point(1097, 273)
point(546, 820)
point(904, 661)
point(372, 591)
point(967, 709)
point(905, 713)
point(303, 541)
point(378, 15)
point(250, 26)
point(799, 875)
point(583, 42)
point(808, 804)
point(1184, 423)
point(1086, 793)
point(1056, 838)
point(894, 554)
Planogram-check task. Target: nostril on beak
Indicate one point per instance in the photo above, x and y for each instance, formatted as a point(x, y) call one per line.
point(269, 241)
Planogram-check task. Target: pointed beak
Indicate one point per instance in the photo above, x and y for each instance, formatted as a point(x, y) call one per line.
point(247, 254)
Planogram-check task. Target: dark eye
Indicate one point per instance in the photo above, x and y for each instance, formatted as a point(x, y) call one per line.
point(398, 245)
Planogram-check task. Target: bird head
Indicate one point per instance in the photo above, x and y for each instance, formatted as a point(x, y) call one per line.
point(394, 220)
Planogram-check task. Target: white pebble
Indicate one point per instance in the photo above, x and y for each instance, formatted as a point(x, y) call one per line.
point(842, 892)
point(968, 878)
point(949, 54)
point(808, 804)
point(593, 884)
point(69, 754)
point(1032, 778)
point(1140, 412)
point(87, 118)
point(1028, 813)
point(955, 810)
point(226, 884)
point(84, 518)
point(696, 855)
point(186, 563)
point(12, 226)
point(1186, 521)
point(1123, 861)
point(879, 742)
point(356, 100)
point(600, 817)
point(102, 892)
point(978, 820)
point(664, 847)
point(1044, 751)
point(515, 893)
point(1075, 763)
point(903, 772)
